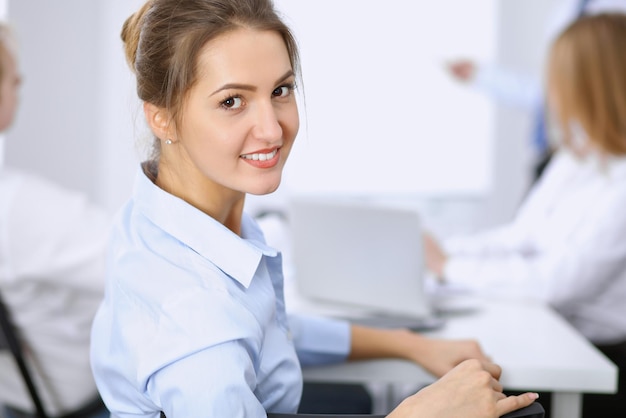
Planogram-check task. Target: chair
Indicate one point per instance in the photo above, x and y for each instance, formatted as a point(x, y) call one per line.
point(533, 411)
point(9, 340)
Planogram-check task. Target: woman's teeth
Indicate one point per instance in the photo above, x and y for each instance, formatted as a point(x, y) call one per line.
point(260, 157)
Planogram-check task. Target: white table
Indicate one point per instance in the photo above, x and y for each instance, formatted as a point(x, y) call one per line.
point(537, 349)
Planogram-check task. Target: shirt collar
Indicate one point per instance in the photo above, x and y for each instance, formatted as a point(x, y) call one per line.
point(239, 257)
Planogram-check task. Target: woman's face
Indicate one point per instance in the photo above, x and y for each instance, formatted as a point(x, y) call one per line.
point(239, 120)
point(8, 88)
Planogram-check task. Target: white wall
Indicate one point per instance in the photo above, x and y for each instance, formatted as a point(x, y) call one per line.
point(522, 46)
point(54, 132)
point(77, 121)
point(75, 124)
point(122, 132)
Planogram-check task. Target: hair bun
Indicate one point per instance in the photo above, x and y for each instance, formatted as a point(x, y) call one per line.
point(131, 32)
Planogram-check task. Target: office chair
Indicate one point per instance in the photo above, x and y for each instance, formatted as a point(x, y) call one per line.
point(533, 411)
point(8, 339)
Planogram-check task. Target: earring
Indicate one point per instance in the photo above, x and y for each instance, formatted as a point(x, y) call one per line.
point(168, 142)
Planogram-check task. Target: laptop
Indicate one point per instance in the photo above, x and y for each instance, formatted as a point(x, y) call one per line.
point(363, 256)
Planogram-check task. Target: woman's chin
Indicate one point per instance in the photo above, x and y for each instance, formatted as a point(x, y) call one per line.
point(264, 189)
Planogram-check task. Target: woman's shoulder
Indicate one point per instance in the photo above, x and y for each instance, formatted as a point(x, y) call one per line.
point(151, 302)
point(152, 269)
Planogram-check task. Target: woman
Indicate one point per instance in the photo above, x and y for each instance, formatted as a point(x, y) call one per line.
point(193, 322)
point(567, 244)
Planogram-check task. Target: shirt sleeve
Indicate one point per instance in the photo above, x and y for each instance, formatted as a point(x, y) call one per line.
point(197, 358)
point(499, 261)
point(55, 235)
point(567, 272)
point(498, 241)
point(320, 340)
point(508, 87)
point(505, 274)
point(503, 260)
point(189, 387)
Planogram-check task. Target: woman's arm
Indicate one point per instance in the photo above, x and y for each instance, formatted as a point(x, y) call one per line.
point(437, 356)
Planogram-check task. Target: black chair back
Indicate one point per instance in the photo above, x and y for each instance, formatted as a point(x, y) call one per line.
point(10, 340)
point(535, 410)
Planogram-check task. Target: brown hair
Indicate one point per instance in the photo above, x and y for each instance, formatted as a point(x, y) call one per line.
point(164, 38)
point(587, 79)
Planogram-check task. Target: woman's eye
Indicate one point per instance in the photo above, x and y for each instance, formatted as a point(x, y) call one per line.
point(281, 91)
point(232, 103)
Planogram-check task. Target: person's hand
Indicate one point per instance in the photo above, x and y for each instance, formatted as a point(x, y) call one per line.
point(434, 255)
point(470, 390)
point(438, 356)
point(462, 70)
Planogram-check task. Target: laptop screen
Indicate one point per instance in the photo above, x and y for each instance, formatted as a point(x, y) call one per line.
point(358, 253)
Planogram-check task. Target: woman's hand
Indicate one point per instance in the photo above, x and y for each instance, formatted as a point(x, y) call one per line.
point(470, 390)
point(438, 356)
point(434, 255)
point(462, 70)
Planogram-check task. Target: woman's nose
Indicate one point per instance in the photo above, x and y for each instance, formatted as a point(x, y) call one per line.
point(267, 125)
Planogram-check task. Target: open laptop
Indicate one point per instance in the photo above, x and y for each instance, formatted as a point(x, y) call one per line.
point(365, 257)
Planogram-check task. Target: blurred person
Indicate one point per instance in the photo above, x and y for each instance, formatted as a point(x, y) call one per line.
point(524, 91)
point(567, 243)
point(51, 278)
point(193, 322)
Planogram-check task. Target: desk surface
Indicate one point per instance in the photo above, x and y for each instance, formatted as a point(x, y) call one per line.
point(537, 349)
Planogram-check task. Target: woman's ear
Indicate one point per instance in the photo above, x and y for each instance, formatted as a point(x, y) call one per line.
point(159, 121)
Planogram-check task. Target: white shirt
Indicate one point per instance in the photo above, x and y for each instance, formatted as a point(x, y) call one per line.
point(566, 246)
point(194, 322)
point(52, 280)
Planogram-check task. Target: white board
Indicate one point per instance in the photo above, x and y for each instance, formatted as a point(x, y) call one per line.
point(381, 115)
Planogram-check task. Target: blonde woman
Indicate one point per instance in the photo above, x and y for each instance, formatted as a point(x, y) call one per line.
point(567, 244)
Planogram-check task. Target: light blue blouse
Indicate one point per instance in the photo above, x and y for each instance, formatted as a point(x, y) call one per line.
point(193, 321)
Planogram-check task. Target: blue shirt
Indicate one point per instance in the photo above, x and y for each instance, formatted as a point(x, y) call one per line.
point(193, 321)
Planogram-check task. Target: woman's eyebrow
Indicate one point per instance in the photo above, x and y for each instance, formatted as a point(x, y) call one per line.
point(250, 87)
point(288, 74)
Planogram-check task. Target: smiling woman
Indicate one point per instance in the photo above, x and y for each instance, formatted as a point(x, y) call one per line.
point(193, 322)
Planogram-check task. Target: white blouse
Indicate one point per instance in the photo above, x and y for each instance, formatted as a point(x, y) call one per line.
point(52, 245)
point(566, 246)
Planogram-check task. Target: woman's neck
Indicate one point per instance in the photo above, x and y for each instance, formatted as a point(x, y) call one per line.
point(222, 204)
